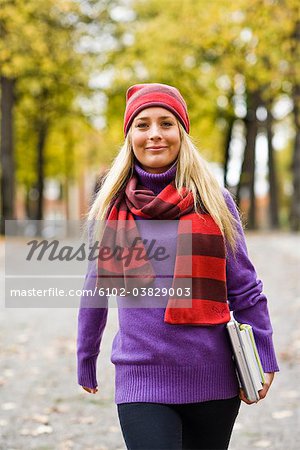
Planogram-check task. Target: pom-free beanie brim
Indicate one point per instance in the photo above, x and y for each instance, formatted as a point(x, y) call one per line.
point(142, 96)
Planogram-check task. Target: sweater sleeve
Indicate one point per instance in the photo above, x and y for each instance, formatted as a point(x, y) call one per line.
point(245, 296)
point(92, 317)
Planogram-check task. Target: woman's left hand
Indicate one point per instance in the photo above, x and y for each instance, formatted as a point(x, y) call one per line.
point(263, 392)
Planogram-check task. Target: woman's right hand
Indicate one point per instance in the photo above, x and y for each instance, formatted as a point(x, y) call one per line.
point(90, 390)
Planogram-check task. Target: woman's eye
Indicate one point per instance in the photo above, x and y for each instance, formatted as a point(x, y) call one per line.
point(167, 124)
point(141, 125)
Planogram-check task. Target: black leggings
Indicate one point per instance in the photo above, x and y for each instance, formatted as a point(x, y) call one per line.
point(157, 426)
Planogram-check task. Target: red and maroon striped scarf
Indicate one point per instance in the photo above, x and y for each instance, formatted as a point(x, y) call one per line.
point(208, 303)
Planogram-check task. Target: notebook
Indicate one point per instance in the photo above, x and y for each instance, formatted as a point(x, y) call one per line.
point(247, 360)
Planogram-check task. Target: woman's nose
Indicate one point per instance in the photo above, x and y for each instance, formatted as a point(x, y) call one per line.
point(154, 132)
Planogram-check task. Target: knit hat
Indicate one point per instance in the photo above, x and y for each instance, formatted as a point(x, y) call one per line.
point(141, 96)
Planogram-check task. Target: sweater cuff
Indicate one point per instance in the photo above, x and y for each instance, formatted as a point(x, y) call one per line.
point(267, 353)
point(87, 373)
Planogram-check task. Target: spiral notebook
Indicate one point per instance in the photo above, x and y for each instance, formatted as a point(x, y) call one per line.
point(248, 365)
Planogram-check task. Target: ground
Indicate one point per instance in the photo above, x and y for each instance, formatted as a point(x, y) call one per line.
point(42, 408)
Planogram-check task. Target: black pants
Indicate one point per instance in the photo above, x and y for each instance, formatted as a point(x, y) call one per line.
point(157, 426)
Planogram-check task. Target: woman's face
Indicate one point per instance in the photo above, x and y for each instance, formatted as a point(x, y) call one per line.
point(155, 139)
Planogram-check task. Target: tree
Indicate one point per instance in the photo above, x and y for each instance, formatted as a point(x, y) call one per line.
point(7, 155)
point(273, 184)
point(295, 56)
point(203, 47)
point(246, 185)
point(38, 52)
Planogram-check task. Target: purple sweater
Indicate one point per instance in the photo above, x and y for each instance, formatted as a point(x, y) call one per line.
point(163, 363)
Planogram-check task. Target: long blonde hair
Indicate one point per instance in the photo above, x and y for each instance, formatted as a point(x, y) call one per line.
point(192, 172)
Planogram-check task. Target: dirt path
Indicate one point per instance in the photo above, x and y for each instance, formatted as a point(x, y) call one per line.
point(41, 406)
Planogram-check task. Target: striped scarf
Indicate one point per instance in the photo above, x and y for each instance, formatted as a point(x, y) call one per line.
point(200, 254)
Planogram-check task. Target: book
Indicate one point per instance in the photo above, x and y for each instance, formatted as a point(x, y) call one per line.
point(256, 355)
point(248, 365)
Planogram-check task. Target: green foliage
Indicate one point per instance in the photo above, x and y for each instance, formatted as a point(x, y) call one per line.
point(217, 53)
point(38, 50)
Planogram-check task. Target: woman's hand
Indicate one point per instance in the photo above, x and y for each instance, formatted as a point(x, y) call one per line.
point(90, 390)
point(263, 392)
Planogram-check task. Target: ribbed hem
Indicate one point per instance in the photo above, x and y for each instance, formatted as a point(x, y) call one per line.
point(87, 373)
point(267, 353)
point(175, 384)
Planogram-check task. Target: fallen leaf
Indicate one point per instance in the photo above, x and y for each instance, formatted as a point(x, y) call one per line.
point(41, 418)
point(25, 432)
point(238, 426)
point(85, 420)
point(60, 409)
point(290, 394)
point(66, 445)
point(41, 391)
point(8, 373)
point(282, 414)
point(8, 406)
point(22, 338)
point(262, 444)
point(42, 429)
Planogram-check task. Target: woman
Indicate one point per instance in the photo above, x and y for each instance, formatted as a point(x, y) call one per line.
point(176, 386)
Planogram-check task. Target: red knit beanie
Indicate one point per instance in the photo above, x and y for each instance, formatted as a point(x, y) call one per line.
point(141, 96)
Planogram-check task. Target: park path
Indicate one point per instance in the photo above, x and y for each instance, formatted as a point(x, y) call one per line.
point(42, 408)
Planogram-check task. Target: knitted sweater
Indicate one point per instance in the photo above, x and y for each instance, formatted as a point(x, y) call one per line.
point(163, 363)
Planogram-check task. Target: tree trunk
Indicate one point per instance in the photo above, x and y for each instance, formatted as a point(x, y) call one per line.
point(247, 177)
point(7, 152)
point(228, 136)
point(69, 170)
point(273, 205)
point(295, 203)
point(28, 204)
point(42, 133)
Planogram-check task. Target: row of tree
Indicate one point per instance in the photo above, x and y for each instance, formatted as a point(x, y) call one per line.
point(69, 62)
point(46, 58)
point(230, 60)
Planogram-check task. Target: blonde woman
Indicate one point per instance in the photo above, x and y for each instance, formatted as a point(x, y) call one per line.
point(176, 386)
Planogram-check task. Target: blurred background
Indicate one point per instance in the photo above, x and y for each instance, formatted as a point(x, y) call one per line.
point(65, 67)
